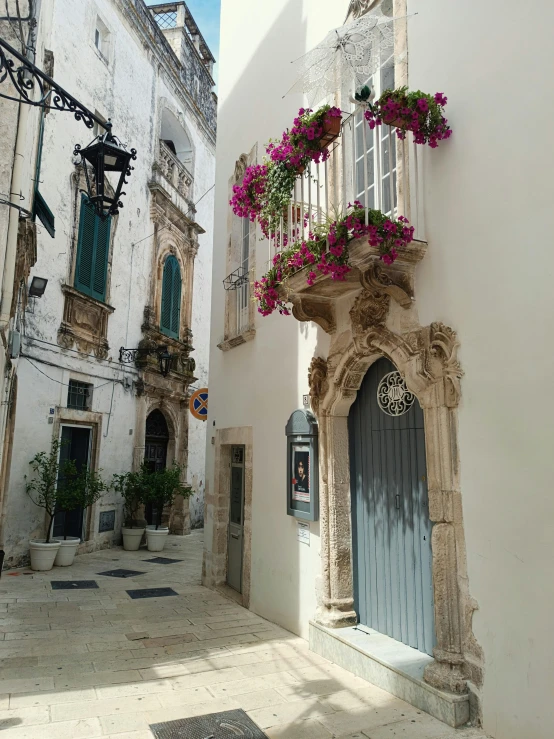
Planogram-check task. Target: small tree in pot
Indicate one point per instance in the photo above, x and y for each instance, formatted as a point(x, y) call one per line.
point(77, 488)
point(43, 492)
point(161, 487)
point(131, 486)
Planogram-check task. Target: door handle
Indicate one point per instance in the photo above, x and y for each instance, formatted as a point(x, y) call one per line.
point(397, 501)
point(234, 536)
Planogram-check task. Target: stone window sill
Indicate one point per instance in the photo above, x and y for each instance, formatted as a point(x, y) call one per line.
point(233, 341)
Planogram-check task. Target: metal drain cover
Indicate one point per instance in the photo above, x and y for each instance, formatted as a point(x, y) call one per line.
point(151, 593)
point(121, 573)
point(225, 725)
point(162, 560)
point(73, 584)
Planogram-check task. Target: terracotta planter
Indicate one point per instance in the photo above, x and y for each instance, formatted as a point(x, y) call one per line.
point(132, 538)
point(331, 132)
point(43, 554)
point(67, 550)
point(156, 538)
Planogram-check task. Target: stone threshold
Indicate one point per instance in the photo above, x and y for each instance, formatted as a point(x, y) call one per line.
point(390, 665)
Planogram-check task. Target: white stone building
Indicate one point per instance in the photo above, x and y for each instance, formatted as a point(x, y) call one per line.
point(462, 315)
point(149, 71)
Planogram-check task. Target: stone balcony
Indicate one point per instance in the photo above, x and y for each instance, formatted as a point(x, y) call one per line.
point(318, 302)
point(169, 172)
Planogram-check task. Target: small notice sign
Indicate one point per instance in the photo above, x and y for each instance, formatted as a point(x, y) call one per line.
point(304, 533)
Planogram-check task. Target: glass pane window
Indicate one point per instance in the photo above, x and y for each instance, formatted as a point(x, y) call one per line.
point(375, 154)
point(79, 395)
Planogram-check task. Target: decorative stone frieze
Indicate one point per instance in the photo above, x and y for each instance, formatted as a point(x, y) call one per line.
point(84, 323)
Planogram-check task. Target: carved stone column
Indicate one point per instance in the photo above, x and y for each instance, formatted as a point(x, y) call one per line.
point(336, 607)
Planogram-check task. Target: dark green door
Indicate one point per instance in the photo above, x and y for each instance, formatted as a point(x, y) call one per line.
point(75, 442)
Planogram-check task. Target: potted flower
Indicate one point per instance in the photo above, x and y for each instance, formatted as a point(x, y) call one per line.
point(417, 111)
point(131, 486)
point(76, 489)
point(43, 492)
point(160, 489)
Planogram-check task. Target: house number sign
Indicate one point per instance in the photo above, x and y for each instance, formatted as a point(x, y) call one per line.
point(393, 397)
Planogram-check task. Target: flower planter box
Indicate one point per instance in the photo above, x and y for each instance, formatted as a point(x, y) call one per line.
point(331, 132)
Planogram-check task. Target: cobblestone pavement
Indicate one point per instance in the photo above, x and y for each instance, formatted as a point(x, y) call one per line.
point(91, 663)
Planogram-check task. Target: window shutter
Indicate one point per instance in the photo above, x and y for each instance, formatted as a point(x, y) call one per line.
point(176, 300)
point(167, 288)
point(171, 298)
point(100, 273)
point(93, 248)
point(85, 248)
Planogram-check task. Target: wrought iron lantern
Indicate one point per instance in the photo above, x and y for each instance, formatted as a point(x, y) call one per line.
point(106, 154)
point(126, 356)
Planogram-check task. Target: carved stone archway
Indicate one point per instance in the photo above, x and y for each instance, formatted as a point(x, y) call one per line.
point(426, 356)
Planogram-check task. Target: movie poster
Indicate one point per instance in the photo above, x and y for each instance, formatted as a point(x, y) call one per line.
point(301, 473)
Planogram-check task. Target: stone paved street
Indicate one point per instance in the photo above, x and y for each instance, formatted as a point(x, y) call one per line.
point(90, 663)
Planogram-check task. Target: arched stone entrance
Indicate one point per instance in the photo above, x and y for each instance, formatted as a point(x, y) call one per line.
point(426, 359)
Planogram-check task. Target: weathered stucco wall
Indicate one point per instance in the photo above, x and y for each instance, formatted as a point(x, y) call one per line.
point(487, 274)
point(129, 87)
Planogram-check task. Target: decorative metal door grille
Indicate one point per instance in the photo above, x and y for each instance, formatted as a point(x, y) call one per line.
point(393, 396)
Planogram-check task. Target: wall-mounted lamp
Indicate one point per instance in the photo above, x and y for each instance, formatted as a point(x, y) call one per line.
point(38, 286)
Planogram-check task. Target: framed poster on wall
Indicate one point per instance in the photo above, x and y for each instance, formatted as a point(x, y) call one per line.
point(302, 469)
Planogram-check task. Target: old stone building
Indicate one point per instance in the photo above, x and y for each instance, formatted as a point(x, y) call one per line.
point(139, 280)
point(418, 554)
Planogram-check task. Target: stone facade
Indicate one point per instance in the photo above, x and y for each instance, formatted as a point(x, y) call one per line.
point(68, 336)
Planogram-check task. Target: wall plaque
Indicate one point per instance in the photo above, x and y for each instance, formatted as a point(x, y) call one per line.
point(107, 521)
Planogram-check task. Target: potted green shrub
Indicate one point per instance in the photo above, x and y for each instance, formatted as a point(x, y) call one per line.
point(131, 487)
point(42, 490)
point(76, 489)
point(161, 487)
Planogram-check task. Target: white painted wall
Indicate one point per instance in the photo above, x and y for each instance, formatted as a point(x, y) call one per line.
point(129, 89)
point(488, 274)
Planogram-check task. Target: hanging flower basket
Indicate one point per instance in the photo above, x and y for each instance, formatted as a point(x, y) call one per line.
point(418, 112)
point(331, 132)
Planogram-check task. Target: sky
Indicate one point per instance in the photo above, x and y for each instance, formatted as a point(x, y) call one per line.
point(206, 15)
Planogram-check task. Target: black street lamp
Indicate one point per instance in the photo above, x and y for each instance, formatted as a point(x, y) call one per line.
point(126, 356)
point(106, 154)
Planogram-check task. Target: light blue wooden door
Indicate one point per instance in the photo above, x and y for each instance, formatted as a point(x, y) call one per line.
point(391, 530)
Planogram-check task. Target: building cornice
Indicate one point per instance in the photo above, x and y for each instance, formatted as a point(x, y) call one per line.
point(151, 36)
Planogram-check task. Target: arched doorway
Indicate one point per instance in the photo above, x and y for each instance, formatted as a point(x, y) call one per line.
point(391, 529)
point(155, 450)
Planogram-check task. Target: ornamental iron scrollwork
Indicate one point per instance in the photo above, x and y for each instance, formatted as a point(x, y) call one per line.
point(27, 78)
point(393, 397)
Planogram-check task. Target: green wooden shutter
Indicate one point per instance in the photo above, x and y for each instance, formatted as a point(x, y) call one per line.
point(93, 248)
point(171, 298)
point(100, 274)
point(176, 300)
point(85, 248)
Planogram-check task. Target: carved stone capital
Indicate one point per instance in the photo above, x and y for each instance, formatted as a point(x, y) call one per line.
point(317, 380)
point(240, 167)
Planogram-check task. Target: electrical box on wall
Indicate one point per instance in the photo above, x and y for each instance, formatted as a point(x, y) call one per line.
point(302, 466)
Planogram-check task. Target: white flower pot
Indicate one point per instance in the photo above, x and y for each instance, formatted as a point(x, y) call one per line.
point(42, 554)
point(66, 552)
point(155, 539)
point(131, 539)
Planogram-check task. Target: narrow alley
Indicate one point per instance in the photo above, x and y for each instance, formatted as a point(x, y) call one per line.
point(92, 661)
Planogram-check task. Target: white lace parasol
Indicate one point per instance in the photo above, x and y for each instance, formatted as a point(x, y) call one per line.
point(353, 52)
